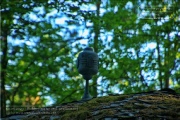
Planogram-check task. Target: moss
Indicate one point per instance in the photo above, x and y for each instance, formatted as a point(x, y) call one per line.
point(154, 106)
point(83, 110)
point(107, 99)
point(128, 106)
point(79, 115)
point(106, 112)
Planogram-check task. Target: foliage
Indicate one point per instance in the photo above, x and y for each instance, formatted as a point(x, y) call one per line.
point(41, 39)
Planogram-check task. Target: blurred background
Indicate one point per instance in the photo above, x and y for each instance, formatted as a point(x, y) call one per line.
point(138, 44)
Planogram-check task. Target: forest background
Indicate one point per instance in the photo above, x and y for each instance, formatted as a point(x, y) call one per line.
point(137, 41)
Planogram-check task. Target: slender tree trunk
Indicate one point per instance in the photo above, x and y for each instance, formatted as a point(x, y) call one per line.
point(3, 75)
point(95, 45)
point(167, 63)
point(159, 63)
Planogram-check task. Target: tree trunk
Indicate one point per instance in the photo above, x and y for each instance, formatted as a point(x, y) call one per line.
point(95, 45)
point(167, 62)
point(159, 63)
point(4, 63)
